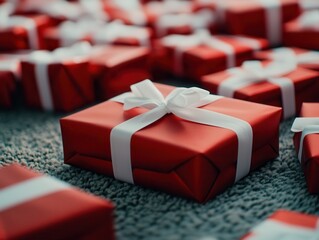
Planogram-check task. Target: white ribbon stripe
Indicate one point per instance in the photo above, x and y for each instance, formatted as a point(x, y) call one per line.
point(306, 125)
point(42, 60)
point(272, 229)
point(182, 43)
point(29, 190)
point(116, 29)
point(273, 20)
point(252, 72)
point(183, 103)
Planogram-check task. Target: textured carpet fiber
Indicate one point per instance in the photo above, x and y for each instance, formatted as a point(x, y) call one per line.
point(33, 138)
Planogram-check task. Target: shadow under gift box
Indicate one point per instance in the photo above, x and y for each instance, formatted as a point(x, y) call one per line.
point(172, 155)
point(70, 84)
point(16, 37)
point(310, 152)
point(306, 87)
point(64, 214)
point(115, 68)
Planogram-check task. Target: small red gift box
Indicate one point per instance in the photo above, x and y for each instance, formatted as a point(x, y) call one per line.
point(281, 84)
point(199, 54)
point(260, 18)
point(115, 68)
point(58, 80)
point(304, 58)
point(23, 32)
point(303, 32)
point(285, 224)
point(176, 154)
point(34, 206)
point(97, 32)
point(306, 140)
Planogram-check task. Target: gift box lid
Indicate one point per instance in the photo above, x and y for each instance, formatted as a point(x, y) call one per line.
point(41, 207)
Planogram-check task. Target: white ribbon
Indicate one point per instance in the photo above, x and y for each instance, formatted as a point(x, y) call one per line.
point(252, 72)
point(288, 55)
point(28, 24)
point(72, 32)
point(29, 190)
point(42, 60)
point(198, 20)
point(306, 125)
point(182, 43)
point(116, 29)
point(309, 19)
point(272, 229)
point(183, 103)
point(273, 20)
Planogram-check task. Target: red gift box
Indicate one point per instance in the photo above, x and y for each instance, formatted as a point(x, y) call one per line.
point(304, 58)
point(303, 32)
point(23, 32)
point(115, 68)
point(186, 23)
point(199, 54)
point(34, 206)
point(98, 33)
point(307, 138)
point(285, 224)
point(59, 80)
point(288, 86)
point(260, 18)
point(173, 155)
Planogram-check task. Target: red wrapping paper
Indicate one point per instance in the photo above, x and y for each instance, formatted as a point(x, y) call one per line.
point(66, 214)
point(296, 36)
point(52, 39)
point(7, 88)
point(292, 219)
point(115, 68)
point(70, 82)
point(310, 153)
point(202, 60)
point(305, 82)
point(249, 17)
point(266, 55)
point(172, 155)
point(16, 38)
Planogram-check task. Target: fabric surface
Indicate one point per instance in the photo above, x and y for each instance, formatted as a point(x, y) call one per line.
point(33, 138)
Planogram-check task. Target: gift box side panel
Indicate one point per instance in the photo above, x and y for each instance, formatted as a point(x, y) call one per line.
point(71, 85)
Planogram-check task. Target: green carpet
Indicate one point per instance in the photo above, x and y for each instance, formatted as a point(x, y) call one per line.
point(33, 139)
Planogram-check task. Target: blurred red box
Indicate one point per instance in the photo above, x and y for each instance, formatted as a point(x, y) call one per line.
point(18, 37)
point(172, 155)
point(61, 85)
point(34, 206)
point(309, 158)
point(285, 224)
point(115, 68)
point(260, 18)
point(305, 82)
point(297, 34)
point(201, 58)
point(304, 58)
